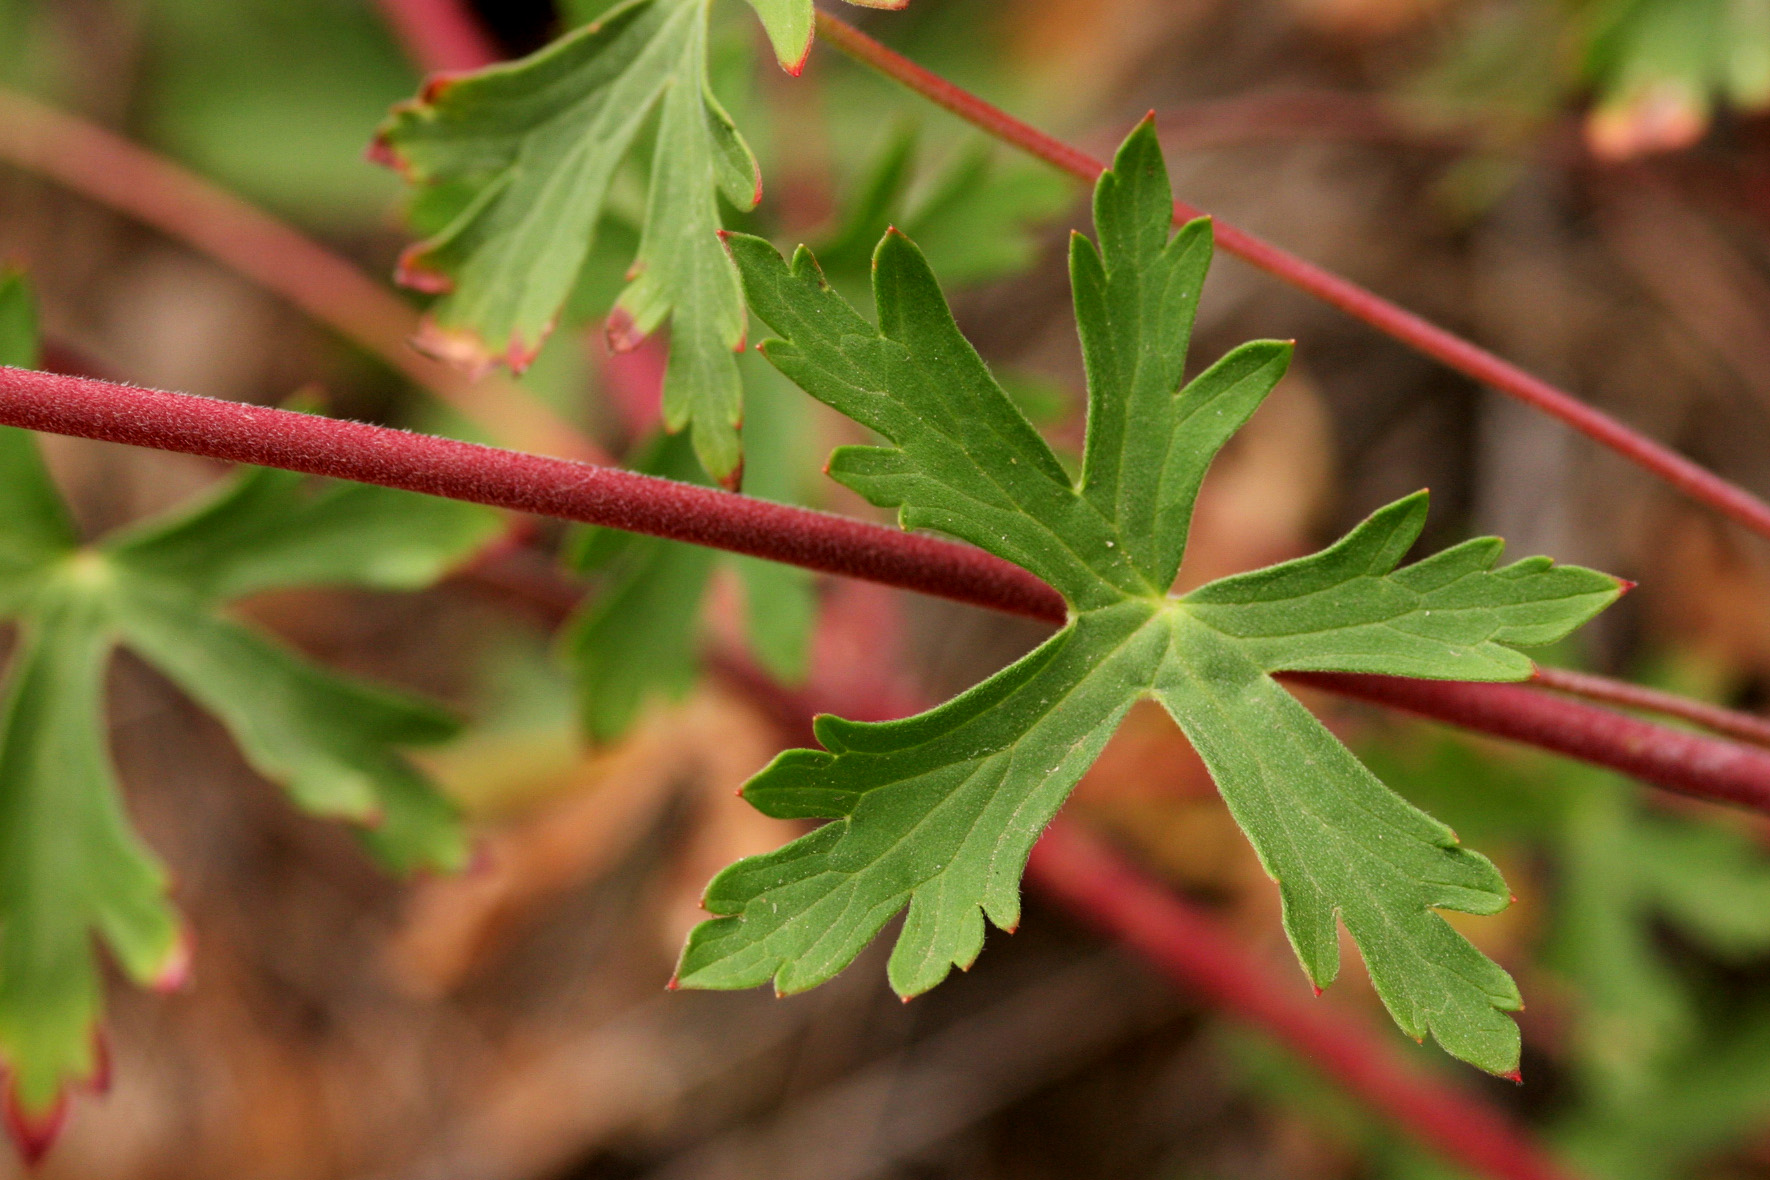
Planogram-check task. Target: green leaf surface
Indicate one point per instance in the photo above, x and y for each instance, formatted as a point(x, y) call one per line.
point(537, 144)
point(639, 638)
point(974, 216)
point(18, 321)
point(790, 24)
point(938, 813)
point(71, 869)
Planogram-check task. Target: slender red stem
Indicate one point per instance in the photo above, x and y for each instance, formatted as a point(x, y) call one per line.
point(439, 34)
point(1193, 948)
point(1690, 763)
point(1416, 332)
point(526, 483)
point(111, 170)
point(1747, 727)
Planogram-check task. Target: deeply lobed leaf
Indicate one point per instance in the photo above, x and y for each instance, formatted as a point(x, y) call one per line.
point(939, 812)
point(531, 149)
point(71, 869)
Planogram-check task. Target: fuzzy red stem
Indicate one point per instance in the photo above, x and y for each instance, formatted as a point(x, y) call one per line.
point(1747, 727)
point(539, 484)
point(1193, 949)
point(439, 35)
point(1416, 332)
point(111, 170)
point(1689, 763)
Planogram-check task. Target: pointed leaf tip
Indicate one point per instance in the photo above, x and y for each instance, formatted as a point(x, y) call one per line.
point(460, 348)
point(381, 152)
point(102, 1071)
point(174, 972)
point(437, 85)
point(414, 273)
point(623, 331)
point(1516, 1077)
point(35, 1132)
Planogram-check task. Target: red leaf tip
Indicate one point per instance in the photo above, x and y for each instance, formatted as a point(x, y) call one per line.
point(1516, 1077)
point(35, 1132)
point(480, 859)
point(412, 273)
point(174, 973)
point(622, 331)
point(1316, 988)
point(438, 85)
point(99, 1083)
point(461, 348)
point(1624, 585)
point(381, 152)
point(675, 984)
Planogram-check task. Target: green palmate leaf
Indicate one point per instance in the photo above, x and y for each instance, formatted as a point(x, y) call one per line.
point(939, 812)
point(537, 144)
point(70, 867)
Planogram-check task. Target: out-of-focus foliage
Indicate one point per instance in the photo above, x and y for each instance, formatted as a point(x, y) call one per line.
point(1656, 71)
point(639, 638)
point(72, 870)
point(1649, 910)
point(228, 80)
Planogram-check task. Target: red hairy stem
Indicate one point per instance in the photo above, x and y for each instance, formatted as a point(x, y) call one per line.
point(1194, 949)
point(539, 484)
point(439, 35)
point(1415, 331)
point(1690, 763)
point(1747, 727)
point(114, 172)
